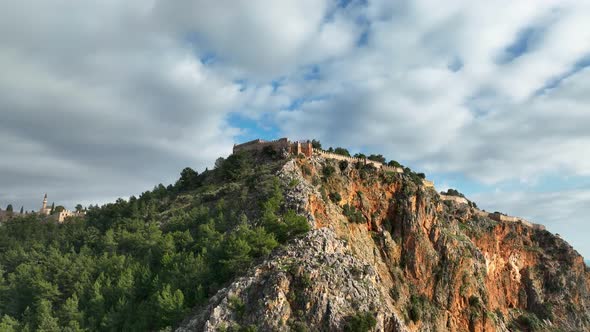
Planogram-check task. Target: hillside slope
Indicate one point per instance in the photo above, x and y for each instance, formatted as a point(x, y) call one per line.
point(386, 253)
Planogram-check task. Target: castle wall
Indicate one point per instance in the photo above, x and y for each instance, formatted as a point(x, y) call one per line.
point(428, 183)
point(456, 199)
point(258, 145)
point(306, 148)
point(63, 215)
point(365, 161)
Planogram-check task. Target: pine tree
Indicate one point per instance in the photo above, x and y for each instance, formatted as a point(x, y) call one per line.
point(52, 208)
point(170, 304)
point(9, 324)
point(9, 208)
point(22, 209)
point(69, 313)
point(44, 317)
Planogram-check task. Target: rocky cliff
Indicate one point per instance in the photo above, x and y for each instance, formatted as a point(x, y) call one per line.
point(387, 254)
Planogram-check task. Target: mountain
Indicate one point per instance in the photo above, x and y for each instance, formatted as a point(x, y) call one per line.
point(386, 252)
point(269, 241)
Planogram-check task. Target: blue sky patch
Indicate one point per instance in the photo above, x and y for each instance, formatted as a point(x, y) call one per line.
point(525, 40)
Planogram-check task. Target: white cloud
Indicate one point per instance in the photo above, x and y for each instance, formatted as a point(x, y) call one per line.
point(95, 107)
point(108, 98)
point(398, 94)
point(260, 39)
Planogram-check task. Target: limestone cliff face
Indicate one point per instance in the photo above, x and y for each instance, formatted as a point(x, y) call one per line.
point(388, 254)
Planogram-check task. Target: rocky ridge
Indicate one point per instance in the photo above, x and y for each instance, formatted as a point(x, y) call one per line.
point(388, 254)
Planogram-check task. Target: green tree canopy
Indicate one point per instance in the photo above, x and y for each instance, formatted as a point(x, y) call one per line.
point(377, 157)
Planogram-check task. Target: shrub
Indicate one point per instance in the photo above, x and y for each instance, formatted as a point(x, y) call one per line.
point(377, 157)
point(269, 151)
point(353, 214)
point(394, 163)
point(335, 197)
point(453, 192)
point(316, 144)
point(237, 305)
point(416, 307)
point(360, 322)
point(298, 326)
point(360, 155)
point(328, 171)
point(306, 170)
point(342, 152)
point(529, 321)
point(343, 164)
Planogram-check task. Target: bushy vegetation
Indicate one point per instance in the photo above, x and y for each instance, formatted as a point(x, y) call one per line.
point(141, 264)
point(328, 171)
point(377, 158)
point(527, 322)
point(316, 144)
point(360, 322)
point(343, 165)
point(353, 214)
point(452, 192)
point(335, 197)
point(340, 151)
point(417, 306)
point(394, 163)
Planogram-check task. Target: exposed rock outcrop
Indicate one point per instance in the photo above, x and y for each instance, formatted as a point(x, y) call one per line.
point(387, 246)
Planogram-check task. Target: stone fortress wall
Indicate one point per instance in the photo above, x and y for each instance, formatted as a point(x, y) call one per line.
point(456, 199)
point(282, 144)
point(305, 148)
point(365, 161)
point(494, 216)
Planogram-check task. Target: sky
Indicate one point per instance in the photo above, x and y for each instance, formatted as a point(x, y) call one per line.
point(105, 99)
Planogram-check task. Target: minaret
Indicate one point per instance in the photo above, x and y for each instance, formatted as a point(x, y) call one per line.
point(44, 206)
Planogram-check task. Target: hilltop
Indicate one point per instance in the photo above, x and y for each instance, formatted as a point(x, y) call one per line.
point(286, 236)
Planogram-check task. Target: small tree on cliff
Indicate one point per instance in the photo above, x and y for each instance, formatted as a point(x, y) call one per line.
point(342, 151)
point(394, 163)
point(316, 144)
point(377, 157)
point(360, 155)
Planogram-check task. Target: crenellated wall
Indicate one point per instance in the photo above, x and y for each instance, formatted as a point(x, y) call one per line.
point(365, 161)
point(505, 218)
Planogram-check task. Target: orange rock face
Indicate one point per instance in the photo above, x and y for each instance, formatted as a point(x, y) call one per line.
point(386, 248)
point(446, 267)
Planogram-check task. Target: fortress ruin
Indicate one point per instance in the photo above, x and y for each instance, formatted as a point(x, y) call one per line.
point(305, 148)
point(279, 145)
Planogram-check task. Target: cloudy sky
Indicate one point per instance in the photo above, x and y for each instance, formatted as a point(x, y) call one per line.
point(105, 99)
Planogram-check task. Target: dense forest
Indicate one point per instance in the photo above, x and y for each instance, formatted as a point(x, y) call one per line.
point(141, 264)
